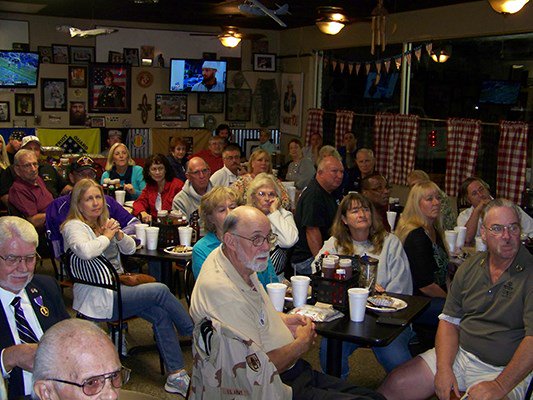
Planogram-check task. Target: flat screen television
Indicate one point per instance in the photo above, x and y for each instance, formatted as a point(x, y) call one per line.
point(385, 87)
point(188, 76)
point(499, 92)
point(18, 69)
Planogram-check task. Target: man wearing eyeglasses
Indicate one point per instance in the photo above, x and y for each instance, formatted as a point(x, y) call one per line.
point(484, 342)
point(213, 154)
point(31, 304)
point(76, 360)
point(229, 291)
point(229, 174)
point(376, 189)
point(196, 185)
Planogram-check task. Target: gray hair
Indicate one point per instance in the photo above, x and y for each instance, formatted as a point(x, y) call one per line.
point(59, 339)
point(262, 179)
point(365, 150)
point(500, 202)
point(327, 151)
point(23, 153)
point(16, 227)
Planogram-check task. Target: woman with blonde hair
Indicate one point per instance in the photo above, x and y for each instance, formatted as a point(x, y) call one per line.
point(121, 166)
point(420, 230)
point(4, 159)
point(357, 230)
point(259, 162)
point(264, 193)
point(89, 232)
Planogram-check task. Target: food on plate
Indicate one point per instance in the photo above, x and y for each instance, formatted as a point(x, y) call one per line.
point(381, 300)
point(181, 249)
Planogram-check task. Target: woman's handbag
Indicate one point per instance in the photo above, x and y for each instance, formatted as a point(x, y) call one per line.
point(134, 279)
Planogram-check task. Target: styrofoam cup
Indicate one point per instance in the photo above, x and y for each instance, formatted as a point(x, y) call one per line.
point(152, 235)
point(357, 300)
point(451, 239)
point(461, 236)
point(185, 233)
point(391, 219)
point(140, 233)
point(120, 196)
point(276, 292)
point(480, 244)
point(300, 284)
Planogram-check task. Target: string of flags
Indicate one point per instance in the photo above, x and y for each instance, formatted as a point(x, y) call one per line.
point(396, 61)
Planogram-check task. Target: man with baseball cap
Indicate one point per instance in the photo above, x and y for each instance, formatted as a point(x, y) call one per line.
point(209, 82)
point(113, 136)
point(14, 144)
point(56, 213)
point(53, 181)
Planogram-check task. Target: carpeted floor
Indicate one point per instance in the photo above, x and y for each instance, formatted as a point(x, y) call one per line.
point(146, 376)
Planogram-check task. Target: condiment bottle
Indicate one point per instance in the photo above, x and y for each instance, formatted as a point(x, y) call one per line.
point(195, 225)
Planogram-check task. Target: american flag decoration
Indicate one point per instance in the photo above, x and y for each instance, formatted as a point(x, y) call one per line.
point(72, 145)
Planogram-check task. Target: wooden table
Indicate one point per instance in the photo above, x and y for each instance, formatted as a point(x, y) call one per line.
point(166, 262)
point(366, 333)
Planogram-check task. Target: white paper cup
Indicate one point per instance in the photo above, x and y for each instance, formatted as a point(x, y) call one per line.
point(276, 292)
point(140, 233)
point(391, 219)
point(480, 244)
point(357, 299)
point(461, 236)
point(185, 233)
point(451, 239)
point(152, 234)
point(300, 284)
point(120, 196)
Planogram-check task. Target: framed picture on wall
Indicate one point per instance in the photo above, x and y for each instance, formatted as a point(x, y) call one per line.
point(210, 102)
point(97, 122)
point(77, 77)
point(264, 62)
point(4, 111)
point(81, 54)
point(131, 56)
point(24, 104)
point(115, 57)
point(250, 145)
point(45, 54)
point(77, 113)
point(60, 53)
point(291, 103)
point(238, 105)
point(109, 88)
point(171, 107)
point(197, 121)
point(53, 94)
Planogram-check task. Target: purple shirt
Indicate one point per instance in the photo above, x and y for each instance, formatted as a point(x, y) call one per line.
point(30, 199)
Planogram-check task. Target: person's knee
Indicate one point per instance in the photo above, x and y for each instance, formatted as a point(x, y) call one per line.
point(408, 376)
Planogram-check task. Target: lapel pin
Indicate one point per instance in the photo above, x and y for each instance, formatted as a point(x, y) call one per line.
point(42, 308)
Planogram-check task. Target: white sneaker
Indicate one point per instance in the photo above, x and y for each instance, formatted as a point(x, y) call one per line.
point(178, 383)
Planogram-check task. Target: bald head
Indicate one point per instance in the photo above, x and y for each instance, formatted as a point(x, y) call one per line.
point(198, 174)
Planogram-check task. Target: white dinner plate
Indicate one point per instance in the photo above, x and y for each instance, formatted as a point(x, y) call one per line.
point(397, 305)
point(169, 249)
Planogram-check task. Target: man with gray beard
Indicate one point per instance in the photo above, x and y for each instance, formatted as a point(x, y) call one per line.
point(229, 293)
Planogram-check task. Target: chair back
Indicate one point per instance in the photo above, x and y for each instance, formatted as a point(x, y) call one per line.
point(188, 277)
point(59, 270)
point(98, 272)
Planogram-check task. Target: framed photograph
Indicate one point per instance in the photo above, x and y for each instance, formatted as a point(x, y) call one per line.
point(197, 121)
point(264, 62)
point(171, 107)
point(60, 53)
point(97, 122)
point(115, 57)
point(109, 88)
point(53, 94)
point(24, 104)
point(77, 113)
point(211, 103)
point(4, 111)
point(81, 54)
point(291, 103)
point(77, 77)
point(250, 145)
point(147, 55)
point(45, 54)
point(131, 57)
point(238, 105)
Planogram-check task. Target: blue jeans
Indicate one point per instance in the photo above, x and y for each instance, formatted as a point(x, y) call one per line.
point(390, 356)
point(156, 304)
point(430, 316)
point(303, 267)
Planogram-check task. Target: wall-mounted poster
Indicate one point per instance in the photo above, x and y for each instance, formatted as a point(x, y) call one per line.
point(53, 94)
point(210, 102)
point(291, 103)
point(171, 107)
point(109, 88)
point(238, 105)
point(24, 104)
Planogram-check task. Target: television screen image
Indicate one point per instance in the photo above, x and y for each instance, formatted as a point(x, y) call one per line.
point(385, 87)
point(18, 69)
point(499, 92)
point(197, 76)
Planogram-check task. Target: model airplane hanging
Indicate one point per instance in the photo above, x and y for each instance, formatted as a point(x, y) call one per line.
point(254, 7)
point(84, 32)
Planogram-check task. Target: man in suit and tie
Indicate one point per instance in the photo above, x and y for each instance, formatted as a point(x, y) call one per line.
point(30, 304)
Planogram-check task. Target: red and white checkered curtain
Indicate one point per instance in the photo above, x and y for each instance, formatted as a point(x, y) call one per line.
point(343, 124)
point(512, 154)
point(463, 142)
point(315, 118)
point(395, 137)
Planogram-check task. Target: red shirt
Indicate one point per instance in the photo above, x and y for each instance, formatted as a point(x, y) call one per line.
point(215, 162)
point(28, 198)
point(146, 201)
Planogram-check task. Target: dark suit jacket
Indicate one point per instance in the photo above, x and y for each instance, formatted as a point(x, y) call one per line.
point(48, 288)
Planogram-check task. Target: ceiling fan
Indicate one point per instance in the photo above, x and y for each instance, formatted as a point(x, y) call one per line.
point(230, 36)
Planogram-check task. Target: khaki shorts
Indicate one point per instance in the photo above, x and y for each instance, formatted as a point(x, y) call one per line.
point(469, 370)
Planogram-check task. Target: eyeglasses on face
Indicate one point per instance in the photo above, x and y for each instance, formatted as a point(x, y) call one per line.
point(480, 190)
point(29, 165)
point(12, 260)
point(258, 240)
point(203, 171)
point(157, 169)
point(263, 194)
point(94, 385)
point(497, 229)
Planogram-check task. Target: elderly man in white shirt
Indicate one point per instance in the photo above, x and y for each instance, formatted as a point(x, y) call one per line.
point(227, 175)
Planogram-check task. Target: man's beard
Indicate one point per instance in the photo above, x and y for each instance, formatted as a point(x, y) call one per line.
point(257, 265)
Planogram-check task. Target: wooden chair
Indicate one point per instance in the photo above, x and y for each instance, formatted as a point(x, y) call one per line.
point(99, 272)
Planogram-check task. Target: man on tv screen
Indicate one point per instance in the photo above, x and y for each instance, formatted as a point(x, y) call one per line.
point(209, 82)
